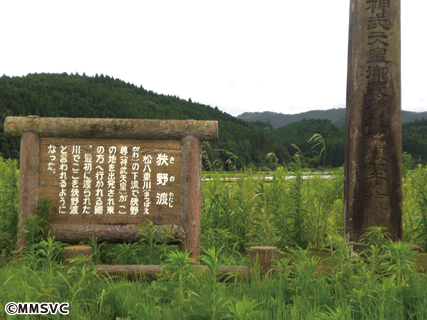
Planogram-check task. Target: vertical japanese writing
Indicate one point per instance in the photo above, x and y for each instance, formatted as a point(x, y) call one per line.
point(111, 182)
point(107, 178)
point(162, 178)
point(162, 159)
point(63, 167)
point(123, 179)
point(87, 183)
point(164, 198)
point(134, 186)
point(74, 193)
point(51, 150)
point(375, 103)
point(99, 183)
point(146, 183)
point(375, 5)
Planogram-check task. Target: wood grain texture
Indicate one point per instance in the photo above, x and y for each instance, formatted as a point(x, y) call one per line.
point(191, 193)
point(266, 257)
point(73, 232)
point(373, 147)
point(29, 179)
point(139, 129)
point(59, 175)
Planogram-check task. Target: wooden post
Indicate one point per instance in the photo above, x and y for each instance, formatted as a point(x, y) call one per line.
point(75, 252)
point(265, 256)
point(373, 148)
point(191, 197)
point(29, 180)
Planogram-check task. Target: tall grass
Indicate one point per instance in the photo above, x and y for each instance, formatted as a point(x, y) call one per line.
point(415, 206)
point(286, 213)
point(378, 285)
point(9, 200)
point(292, 214)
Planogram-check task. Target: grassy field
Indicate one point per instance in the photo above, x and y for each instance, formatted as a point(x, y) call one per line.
point(295, 215)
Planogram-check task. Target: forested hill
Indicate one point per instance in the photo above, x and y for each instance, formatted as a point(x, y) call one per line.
point(63, 95)
point(288, 139)
point(246, 144)
point(414, 142)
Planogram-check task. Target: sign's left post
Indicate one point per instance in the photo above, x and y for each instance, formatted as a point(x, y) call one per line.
point(29, 180)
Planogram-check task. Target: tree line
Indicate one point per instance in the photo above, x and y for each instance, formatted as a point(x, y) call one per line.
point(240, 144)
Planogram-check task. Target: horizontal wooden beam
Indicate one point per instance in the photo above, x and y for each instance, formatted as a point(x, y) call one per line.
point(153, 271)
point(106, 128)
point(73, 232)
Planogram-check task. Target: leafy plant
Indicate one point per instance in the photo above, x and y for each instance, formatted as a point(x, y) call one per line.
point(297, 211)
point(373, 243)
point(154, 241)
point(124, 253)
point(9, 200)
point(243, 309)
point(97, 247)
point(44, 254)
point(304, 273)
point(338, 314)
point(36, 226)
point(209, 164)
point(399, 260)
point(222, 240)
point(419, 180)
point(407, 163)
point(175, 284)
point(317, 137)
point(211, 298)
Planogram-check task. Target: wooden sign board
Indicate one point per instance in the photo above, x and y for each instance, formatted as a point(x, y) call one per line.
point(105, 176)
point(100, 181)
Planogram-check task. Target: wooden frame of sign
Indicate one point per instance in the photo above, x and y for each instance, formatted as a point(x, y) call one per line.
point(105, 176)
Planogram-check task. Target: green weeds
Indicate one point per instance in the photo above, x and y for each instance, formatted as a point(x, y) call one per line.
point(36, 226)
point(295, 214)
point(9, 199)
point(378, 284)
point(289, 211)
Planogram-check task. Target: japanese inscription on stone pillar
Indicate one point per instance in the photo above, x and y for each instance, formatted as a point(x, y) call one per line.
point(373, 124)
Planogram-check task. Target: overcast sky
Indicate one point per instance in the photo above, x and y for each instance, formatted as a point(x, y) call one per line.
point(287, 56)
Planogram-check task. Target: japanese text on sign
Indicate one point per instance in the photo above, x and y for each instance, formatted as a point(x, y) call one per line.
point(110, 177)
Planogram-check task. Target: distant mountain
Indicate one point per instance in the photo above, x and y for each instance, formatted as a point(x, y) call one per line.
point(336, 116)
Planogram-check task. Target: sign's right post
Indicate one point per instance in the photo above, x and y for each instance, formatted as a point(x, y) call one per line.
point(373, 149)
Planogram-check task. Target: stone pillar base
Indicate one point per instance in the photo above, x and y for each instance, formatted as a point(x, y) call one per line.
point(265, 257)
point(75, 252)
